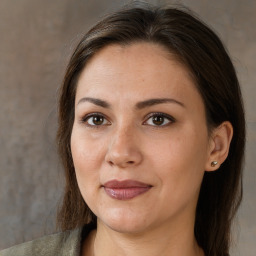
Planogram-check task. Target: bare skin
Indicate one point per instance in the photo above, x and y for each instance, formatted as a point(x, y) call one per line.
point(117, 244)
point(139, 117)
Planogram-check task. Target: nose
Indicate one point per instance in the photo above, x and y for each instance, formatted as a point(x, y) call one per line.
point(123, 150)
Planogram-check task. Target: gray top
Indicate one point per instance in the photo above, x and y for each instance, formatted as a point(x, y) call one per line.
point(66, 243)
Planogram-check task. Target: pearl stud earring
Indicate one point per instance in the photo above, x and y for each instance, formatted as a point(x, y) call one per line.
point(214, 163)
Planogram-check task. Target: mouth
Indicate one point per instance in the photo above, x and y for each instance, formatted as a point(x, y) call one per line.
point(126, 189)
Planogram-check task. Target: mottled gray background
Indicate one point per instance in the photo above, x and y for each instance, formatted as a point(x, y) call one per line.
point(36, 40)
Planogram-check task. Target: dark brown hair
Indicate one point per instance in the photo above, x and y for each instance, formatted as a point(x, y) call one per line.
point(200, 49)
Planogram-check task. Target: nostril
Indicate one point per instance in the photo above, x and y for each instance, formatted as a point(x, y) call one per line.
point(116, 163)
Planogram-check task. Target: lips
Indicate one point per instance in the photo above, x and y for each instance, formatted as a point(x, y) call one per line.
point(125, 190)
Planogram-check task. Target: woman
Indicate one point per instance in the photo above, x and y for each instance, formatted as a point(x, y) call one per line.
point(151, 135)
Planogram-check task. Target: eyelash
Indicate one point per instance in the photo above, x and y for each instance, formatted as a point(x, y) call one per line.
point(160, 114)
point(85, 119)
point(170, 119)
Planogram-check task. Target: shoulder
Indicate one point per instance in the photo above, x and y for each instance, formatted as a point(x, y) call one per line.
point(62, 244)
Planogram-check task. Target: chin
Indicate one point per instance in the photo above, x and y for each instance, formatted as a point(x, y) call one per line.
point(124, 222)
point(126, 228)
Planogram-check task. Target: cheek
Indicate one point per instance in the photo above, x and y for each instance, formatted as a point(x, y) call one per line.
point(180, 150)
point(180, 162)
point(86, 159)
point(85, 163)
point(85, 152)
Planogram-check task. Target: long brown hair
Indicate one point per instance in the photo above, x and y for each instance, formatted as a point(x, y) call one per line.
point(200, 49)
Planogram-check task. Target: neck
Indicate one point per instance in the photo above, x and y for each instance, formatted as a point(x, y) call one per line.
point(164, 241)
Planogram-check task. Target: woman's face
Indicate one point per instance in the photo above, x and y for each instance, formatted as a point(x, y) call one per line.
point(139, 141)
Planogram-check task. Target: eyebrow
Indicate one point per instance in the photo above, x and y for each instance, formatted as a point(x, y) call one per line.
point(139, 105)
point(95, 101)
point(152, 102)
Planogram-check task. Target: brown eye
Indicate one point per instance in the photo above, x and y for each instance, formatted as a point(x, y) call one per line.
point(95, 120)
point(159, 119)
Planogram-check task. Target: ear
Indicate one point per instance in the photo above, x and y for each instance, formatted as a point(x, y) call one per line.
point(219, 146)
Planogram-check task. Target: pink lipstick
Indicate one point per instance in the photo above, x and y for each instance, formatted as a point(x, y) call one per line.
point(126, 189)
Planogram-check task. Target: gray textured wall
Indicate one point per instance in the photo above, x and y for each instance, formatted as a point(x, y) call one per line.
point(37, 37)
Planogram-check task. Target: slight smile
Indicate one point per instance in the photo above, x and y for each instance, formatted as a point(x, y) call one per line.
point(126, 189)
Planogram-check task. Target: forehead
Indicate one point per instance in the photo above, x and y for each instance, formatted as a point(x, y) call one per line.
point(136, 70)
point(140, 54)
